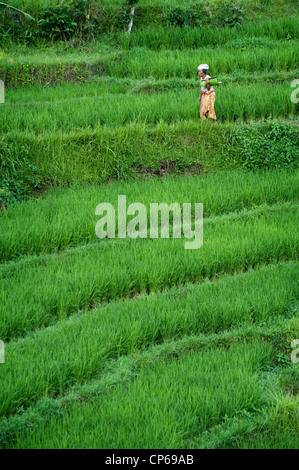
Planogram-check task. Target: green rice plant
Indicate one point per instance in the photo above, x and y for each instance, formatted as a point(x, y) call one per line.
point(125, 369)
point(168, 321)
point(81, 278)
point(135, 151)
point(75, 350)
point(278, 431)
point(166, 404)
point(232, 103)
point(139, 63)
point(36, 94)
point(66, 216)
point(18, 176)
point(47, 66)
point(275, 426)
point(142, 63)
point(178, 38)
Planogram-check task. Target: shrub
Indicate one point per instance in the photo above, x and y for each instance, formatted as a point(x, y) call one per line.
point(18, 177)
point(57, 22)
point(229, 14)
point(275, 148)
point(176, 16)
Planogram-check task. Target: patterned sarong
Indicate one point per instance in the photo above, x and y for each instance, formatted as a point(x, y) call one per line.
point(207, 105)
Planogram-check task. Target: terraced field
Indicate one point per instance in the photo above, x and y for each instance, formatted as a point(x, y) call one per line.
point(139, 343)
point(235, 299)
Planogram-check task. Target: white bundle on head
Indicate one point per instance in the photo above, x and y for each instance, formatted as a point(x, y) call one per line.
point(203, 67)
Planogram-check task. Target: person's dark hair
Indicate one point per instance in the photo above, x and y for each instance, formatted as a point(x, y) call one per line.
point(204, 71)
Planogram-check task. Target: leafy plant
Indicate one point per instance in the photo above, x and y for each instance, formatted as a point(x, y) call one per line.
point(27, 16)
point(13, 24)
point(176, 16)
point(18, 177)
point(198, 15)
point(229, 14)
point(58, 22)
point(83, 13)
point(278, 148)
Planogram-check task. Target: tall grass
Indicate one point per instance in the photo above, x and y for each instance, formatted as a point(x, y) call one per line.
point(142, 63)
point(232, 103)
point(36, 94)
point(124, 369)
point(275, 427)
point(72, 306)
point(166, 404)
point(183, 38)
point(53, 287)
point(66, 216)
point(76, 349)
point(134, 151)
point(278, 431)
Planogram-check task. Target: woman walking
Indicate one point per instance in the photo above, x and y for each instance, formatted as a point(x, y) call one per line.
point(207, 95)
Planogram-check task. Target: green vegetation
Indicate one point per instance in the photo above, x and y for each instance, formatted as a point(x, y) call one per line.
point(135, 374)
point(246, 103)
point(78, 20)
point(88, 275)
point(77, 349)
point(140, 63)
point(136, 151)
point(251, 35)
point(163, 400)
point(139, 343)
point(131, 106)
point(273, 428)
point(222, 194)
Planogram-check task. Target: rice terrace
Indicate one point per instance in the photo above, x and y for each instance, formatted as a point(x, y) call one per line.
point(123, 338)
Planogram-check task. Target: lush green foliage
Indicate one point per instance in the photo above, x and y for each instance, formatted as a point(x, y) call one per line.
point(97, 330)
point(140, 63)
point(244, 103)
point(18, 177)
point(251, 34)
point(77, 349)
point(138, 151)
point(223, 193)
point(163, 400)
point(124, 370)
point(85, 19)
point(277, 149)
point(81, 278)
point(201, 15)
